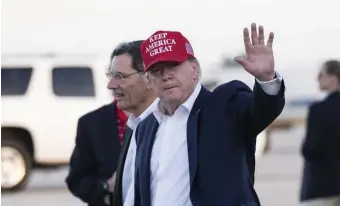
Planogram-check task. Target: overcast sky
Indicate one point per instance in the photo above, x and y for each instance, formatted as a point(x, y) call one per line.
point(306, 31)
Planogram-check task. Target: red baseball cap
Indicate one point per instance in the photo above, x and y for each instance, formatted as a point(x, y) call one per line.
point(165, 46)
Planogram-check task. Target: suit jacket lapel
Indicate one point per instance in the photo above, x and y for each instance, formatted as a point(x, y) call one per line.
point(117, 197)
point(109, 122)
point(145, 139)
point(193, 132)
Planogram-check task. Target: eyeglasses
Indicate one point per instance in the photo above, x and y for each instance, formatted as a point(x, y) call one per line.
point(118, 75)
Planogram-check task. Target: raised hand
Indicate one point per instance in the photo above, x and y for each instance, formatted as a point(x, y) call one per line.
point(260, 59)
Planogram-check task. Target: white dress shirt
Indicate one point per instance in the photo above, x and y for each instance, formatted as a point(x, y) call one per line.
point(128, 192)
point(170, 180)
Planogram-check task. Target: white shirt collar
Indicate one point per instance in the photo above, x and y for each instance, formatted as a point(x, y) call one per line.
point(186, 105)
point(134, 121)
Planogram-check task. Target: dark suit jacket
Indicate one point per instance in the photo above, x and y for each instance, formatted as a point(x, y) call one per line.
point(221, 136)
point(321, 150)
point(117, 195)
point(95, 156)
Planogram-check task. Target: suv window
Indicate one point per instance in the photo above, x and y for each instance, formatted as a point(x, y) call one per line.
point(14, 81)
point(73, 81)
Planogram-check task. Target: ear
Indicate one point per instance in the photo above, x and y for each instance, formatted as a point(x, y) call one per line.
point(195, 70)
point(147, 81)
point(148, 85)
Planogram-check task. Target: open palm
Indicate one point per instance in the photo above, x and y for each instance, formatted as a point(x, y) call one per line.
point(260, 59)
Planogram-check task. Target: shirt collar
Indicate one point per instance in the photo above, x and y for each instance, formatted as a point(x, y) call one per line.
point(187, 105)
point(133, 121)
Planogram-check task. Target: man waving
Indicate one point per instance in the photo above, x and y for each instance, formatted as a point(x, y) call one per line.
point(197, 147)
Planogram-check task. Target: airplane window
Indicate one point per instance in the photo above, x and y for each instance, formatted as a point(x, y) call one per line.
point(73, 81)
point(15, 81)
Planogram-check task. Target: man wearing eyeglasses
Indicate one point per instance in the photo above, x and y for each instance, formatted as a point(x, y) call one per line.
point(133, 93)
point(100, 132)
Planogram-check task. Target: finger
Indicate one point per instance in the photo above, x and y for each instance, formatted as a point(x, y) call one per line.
point(254, 37)
point(261, 35)
point(246, 38)
point(270, 39)
point(241, 60)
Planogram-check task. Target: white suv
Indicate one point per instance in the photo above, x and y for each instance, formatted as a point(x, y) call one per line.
point(42, 99)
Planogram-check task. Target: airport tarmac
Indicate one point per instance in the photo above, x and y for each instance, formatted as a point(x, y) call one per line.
point(277, 178)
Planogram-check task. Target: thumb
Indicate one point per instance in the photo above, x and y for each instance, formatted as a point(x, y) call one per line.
point(241, 60)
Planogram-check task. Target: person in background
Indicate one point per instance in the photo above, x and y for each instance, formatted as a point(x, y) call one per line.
point(135, 95)
point(321, 146)
point(94, 159)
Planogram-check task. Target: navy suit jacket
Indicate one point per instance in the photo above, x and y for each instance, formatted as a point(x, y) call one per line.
point(95, 156)
point(221, 136)
point(320, 149)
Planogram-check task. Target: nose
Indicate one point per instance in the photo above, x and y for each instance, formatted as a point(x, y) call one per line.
point(113, 83)
point(166, 74)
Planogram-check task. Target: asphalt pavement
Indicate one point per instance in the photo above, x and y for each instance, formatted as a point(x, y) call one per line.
point(277, 178)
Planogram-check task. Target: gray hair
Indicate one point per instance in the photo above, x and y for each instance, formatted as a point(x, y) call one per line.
point(199, 67)
point(133, 49)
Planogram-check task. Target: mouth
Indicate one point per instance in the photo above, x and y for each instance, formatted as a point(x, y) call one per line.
point(118, 95)
point(168, 88)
